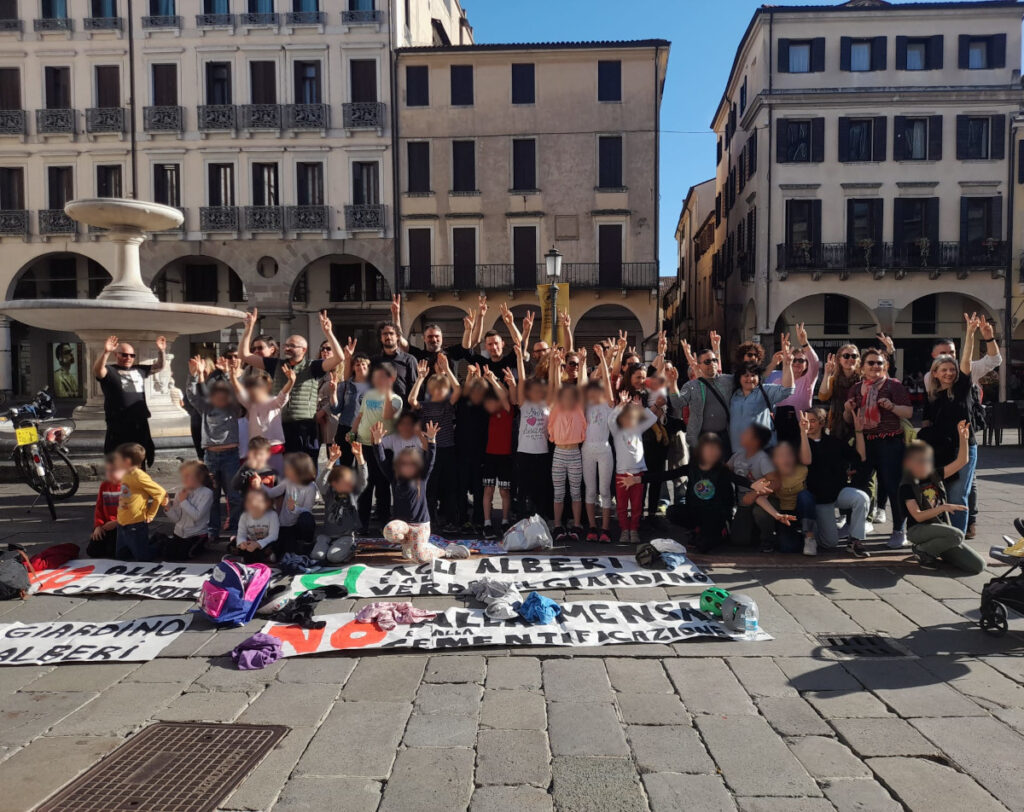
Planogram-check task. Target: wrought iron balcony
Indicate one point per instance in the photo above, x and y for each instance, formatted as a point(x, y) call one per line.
point(307, 116)
point(305, 18)
point(12, 122)
point(52, 24)
point(163, 119)
point(55, 221)
point(307, 218)
point(921, 255)
point(586, 275)
point(10, 26)
point(363, 115)
point(103, 23)
point(261, 116)
point(218, 218)
point(162, 21)
point(259, 19)
point(364, 217)
point(104, 120)
point(263, 218)
point(215, 21)
point(370, 17)
point(620, 275)
point(216, 117)
point(55, 120)
point(14, 222)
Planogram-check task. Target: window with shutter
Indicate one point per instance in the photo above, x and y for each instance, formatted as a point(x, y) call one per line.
point(462, 85)
point(309, 183)
point(10, 88)
point(463, 166)
point(417, 86)
point(794, 141)
point(418, 153)
point(609, 173)
point(524, 164)
point(799, 60)
point(609, 81)
point(752, 154)
point(12, 188)
point(523, 89)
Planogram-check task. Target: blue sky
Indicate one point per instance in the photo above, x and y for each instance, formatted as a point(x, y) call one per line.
point(704, 36)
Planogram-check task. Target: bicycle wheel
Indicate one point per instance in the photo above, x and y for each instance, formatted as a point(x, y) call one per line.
point(62, 476)
point(28, 469)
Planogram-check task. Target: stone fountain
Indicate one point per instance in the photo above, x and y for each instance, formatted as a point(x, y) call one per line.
point(126, 307)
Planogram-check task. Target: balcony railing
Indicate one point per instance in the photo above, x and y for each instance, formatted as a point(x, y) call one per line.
point(14, 222)
point(162, 21)
point(218, 218)
point(104, 120)
point(263, 218)
point(52, 24)
point(163, 119)
point(55, 120)
point(307, 218)
point(586, 275)
point(12, 122)
point(364, 218)
point(305, 18)
point(261, 116)
point(215, 21)
point(55, 221)
point(10, 26)
point(371, 17)
point(362, 115)
point(103, 23)
point(879, 257)
point(254, 19)
point(216, 117)
point(307, 116)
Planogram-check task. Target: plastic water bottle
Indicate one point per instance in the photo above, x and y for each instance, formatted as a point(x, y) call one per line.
point(750, 623)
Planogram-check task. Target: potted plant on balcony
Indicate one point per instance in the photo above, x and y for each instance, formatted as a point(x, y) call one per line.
point(924, 249)
point(803, 249)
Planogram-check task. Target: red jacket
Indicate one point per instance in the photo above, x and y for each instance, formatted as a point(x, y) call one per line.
point(106, 503)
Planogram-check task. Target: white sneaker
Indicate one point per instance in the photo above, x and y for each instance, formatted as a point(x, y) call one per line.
point(868, 528)
point(878, 516)
point(897, 540)
point(810, 546)
point(842, 524)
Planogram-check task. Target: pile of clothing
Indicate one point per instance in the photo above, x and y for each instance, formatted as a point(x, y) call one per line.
point(661, 554)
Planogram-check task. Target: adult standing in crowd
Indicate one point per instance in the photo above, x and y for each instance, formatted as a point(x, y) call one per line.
point(123, 384)
point(883, 403)
point(753, 401)
point(842, 371)
point(298, 417)
point(433, 339)
point(391, 352)
point(496, 359)
point(805, 375)
point(707, 396)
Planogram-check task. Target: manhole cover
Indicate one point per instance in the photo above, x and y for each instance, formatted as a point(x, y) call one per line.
point(859, 645)
point(170, 767)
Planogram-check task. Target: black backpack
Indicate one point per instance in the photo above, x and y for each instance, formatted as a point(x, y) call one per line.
point(14, 570)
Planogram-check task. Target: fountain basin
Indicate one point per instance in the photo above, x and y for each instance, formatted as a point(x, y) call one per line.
point(122, 213)
point(118, 317)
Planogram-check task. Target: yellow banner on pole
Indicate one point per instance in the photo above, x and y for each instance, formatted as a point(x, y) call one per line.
point(549, 314)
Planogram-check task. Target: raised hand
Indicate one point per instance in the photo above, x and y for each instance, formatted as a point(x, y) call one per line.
point(467, 322)
point(350, 348)
point(887, 342)
point(472, 371)
point(110, 344)
point(441, 364)
point(599, 352)
point(422, 369)
point(251, 317)
point(357, 451)
point(325, 323)
point(963, 429)
point(161, 343)
point(662, 343)
point(528, 321)
point(193, 365)
point(986, 328)
point(801, 333)
point(430, 430)
point(716, 341)
point(623, 340)
point(396, 307)
point(510, 379)
point(378, 432)
point(671, 375)
point(805, 424)
point(481, 302)
point(334, 453)
point(517, 348)
point(972, 323)
point(506, 314)
point(565, 318)
point(830, 365)
point(624, 396)
point(289, 373)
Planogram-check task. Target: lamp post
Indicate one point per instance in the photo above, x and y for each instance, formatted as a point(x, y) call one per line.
point(553, 263)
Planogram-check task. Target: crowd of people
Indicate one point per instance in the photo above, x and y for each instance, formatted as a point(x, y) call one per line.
point(783, 453)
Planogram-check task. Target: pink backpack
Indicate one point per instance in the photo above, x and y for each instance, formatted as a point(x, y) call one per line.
point(234, 591)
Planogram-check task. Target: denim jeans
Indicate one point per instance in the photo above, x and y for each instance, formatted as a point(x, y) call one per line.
point(958, 491)
point(790, 539)
point(223, 466)
point(849, 499)
point(133, 543)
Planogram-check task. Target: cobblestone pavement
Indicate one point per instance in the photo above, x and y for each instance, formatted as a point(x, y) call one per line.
point(781, 725)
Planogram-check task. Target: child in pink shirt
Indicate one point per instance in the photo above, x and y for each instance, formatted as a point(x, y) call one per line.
point(263, 410)
point(567, 429)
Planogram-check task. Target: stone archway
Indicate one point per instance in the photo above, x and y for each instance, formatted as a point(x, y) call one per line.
point(605, 321)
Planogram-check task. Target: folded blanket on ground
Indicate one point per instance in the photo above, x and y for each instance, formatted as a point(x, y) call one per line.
point(501, 597)
point(387, 615)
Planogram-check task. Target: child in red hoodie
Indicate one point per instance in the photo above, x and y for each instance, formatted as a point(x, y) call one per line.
point(104, 532)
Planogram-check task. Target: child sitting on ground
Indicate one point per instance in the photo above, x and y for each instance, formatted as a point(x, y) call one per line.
point(749, 465)
point(340, 487)
point(924, 493)
point(190, 512)
point(258, 529)
point(263, 409)
point(103, 540)
point(138, 505)
point(627, 424)
point(255, 472)
point(409, 474)
point(787, 501)
point(298, 527)
point(709, 494)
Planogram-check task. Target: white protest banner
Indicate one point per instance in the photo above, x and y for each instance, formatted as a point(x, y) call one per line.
point(582, 623)
point(528, 572)
point(55, 642)
point(141, 579)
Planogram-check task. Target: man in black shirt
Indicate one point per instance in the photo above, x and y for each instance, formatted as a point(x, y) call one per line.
point(404, 364)
point(124, 394)
point(433, 338)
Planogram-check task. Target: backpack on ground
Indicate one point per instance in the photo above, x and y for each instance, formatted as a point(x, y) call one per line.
point(234, 591)
point(14, 572)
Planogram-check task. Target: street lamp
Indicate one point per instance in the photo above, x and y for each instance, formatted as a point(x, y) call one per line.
point(553, 263)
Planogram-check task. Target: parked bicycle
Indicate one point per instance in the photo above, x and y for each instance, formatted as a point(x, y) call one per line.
point(40, 452)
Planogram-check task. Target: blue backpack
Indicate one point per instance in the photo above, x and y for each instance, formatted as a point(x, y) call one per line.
point(234, 591)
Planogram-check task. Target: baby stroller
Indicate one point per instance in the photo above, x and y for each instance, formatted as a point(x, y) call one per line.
point(1007, 590)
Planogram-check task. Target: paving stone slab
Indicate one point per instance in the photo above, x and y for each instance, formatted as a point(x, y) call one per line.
point(503, 799)
point(27, 715)
point(223, 674)
point(923, 784)
point(910, 689)
point(859, 795)
point(14, 677)
point(827, 758)
point(883, 737)
point(652, 709)
point(922, 609)
point(784, 805)
point(847, 704)
point(260, 788)
point(119, 710)
point(978, 680)
point(215, 706)
point(428, 779)
point(816, 674)
point(638, 676)
point(576, 681)
point(28, 776)
point(357, 739)
point(456, 668)
point(669, 748)
point(322, 668)
point(819, 615)
point(708, 686)
point(760, 676)
point(440, 730)
point(586, 784)
point(513, 673)
point(303, 793)
point(593, 730)
point(84, 677)
point(877, 616)
point(449, 698)
point(281, 704)
point(513, 757)
point(671, 792)
point(182, 671)
point(514, 710)
point(385, 679)
point(753, 759)
point(792, 716)
point(98, 609)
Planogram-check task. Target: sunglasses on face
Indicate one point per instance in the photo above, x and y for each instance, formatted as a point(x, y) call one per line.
point(750, 355)
point(799, 360)
point(709, 362)
point(874, 363)
point(259, 347)
point(127, 354)
point(572, 363)
point(231, 357)
point(293, 347)
point(849, 356)
point(540, 350)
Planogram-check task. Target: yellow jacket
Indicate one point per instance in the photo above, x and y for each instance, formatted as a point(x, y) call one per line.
point(140, 498)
